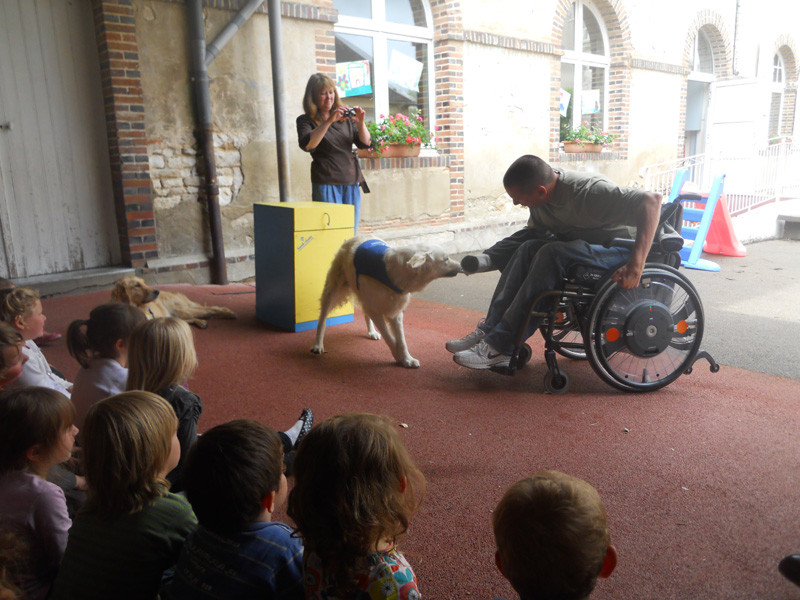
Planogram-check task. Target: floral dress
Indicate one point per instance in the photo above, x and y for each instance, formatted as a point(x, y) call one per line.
point(382, 575)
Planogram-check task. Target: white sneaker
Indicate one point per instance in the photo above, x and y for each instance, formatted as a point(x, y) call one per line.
point(482, 356)
point(466, 342)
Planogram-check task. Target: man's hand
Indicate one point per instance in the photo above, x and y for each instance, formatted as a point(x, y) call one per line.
point(627, 276)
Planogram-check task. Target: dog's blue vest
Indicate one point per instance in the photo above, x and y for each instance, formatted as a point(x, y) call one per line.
point(368, 260)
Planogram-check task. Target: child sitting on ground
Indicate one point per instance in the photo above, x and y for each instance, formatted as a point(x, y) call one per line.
point(22, 308)
point(161, 356)
point(355, 491)
point(234, 481)
point(102, 351)
point(36, 433)
point(12, 358)
point(131, 528)
point(552, 537)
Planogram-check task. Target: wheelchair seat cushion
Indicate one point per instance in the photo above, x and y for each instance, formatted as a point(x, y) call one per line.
point(587, 275)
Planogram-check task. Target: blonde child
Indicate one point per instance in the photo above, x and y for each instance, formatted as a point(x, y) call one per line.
point(356, 489)
point(36, 433)
point(131, 528)
point(22, 308)
point(100, 345)
point(161, 356)
point(552, 537)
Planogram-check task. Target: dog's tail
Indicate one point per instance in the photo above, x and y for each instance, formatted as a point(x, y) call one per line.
point(337, 289)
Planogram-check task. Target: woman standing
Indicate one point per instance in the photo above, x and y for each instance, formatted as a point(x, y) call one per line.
point(328, 130)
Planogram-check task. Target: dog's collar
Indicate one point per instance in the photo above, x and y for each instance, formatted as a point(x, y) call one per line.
point(369, 260)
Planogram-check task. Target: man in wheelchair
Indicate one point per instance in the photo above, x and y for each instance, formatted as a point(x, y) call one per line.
point(572, 215)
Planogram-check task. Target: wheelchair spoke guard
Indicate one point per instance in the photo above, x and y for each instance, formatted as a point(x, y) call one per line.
point(643, 339)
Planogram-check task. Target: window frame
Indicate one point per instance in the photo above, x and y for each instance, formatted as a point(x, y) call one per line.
point(382, 31)
point(579, 59)
point(779, 88)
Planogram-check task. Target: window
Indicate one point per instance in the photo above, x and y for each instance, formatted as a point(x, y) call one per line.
point(384, 50)
point(703, 57)
point(776, 96)
point(584, 68)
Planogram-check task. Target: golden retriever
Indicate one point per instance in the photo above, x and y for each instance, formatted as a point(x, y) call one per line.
point(133, 290)
point(381, 279)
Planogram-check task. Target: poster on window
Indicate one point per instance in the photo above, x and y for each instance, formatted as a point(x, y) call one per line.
point(404, 71)
point(353, 78)
point(564, 102)
point(590, 102)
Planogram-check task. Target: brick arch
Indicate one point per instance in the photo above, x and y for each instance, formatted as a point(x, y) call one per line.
point(713, 25)
point(785, 46)
point(620, 50)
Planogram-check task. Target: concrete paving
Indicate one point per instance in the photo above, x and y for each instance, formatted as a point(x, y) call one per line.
point(752, 305)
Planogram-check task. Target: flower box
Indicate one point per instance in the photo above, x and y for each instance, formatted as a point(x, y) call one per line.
point(398, 150)
point(574, 146)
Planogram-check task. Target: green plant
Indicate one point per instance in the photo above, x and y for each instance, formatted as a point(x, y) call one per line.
point(587, 134)
point(400, 129)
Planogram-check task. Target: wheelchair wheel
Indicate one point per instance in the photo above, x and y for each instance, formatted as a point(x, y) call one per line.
point(524, 357)
point(642, 339)
point(556, 384)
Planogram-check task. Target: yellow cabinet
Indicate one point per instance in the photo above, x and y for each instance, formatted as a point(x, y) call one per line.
point(295, 243)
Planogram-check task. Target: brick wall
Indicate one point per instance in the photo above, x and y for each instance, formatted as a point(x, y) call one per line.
point(122, 94)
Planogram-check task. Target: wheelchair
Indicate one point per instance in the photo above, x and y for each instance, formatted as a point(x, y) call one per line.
point(636, 340)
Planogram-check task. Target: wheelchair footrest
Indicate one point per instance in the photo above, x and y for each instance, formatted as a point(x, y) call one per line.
point(713, 366)
point(506, 370)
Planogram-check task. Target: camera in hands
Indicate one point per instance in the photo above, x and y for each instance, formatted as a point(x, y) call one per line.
point(350, 112)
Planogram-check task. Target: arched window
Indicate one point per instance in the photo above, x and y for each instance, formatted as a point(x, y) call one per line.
point(776, 96)
point(384, 53)
point(584, 68)
point(703, 60)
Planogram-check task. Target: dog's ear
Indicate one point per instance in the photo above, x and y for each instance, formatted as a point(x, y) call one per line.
point(120, 293)
point(417, 260)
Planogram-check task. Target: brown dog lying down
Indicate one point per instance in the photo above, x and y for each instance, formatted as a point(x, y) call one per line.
point(381, 279)
point(133, 290)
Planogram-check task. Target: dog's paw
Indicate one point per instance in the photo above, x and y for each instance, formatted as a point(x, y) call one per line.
point(373, 335)
point(199, 323)
point(410, 363)
point(318, 349)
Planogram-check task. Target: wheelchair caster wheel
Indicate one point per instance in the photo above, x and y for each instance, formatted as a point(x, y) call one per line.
point(524, 355)
point(556, 384)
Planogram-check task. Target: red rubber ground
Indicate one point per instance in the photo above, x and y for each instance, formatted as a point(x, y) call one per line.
point(700, 479)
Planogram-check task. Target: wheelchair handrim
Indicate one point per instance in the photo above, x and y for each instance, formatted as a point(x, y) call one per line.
point(610, 355)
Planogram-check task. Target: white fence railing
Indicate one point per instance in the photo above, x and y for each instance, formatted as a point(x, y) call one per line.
point(753, 178)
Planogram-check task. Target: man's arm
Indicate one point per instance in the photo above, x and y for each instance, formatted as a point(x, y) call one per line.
point(646, 224)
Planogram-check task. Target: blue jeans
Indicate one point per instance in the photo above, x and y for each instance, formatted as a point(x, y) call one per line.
point(537, 266)
point(339, 194)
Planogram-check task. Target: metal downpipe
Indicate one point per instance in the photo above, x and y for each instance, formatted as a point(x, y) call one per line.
point(199, 79)
point(276, 55)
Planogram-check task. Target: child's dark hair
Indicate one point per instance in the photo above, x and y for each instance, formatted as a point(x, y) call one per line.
point(229, 471)
point(355, 484)
point(29, 417)
point(126, 441)
point(106, 324)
